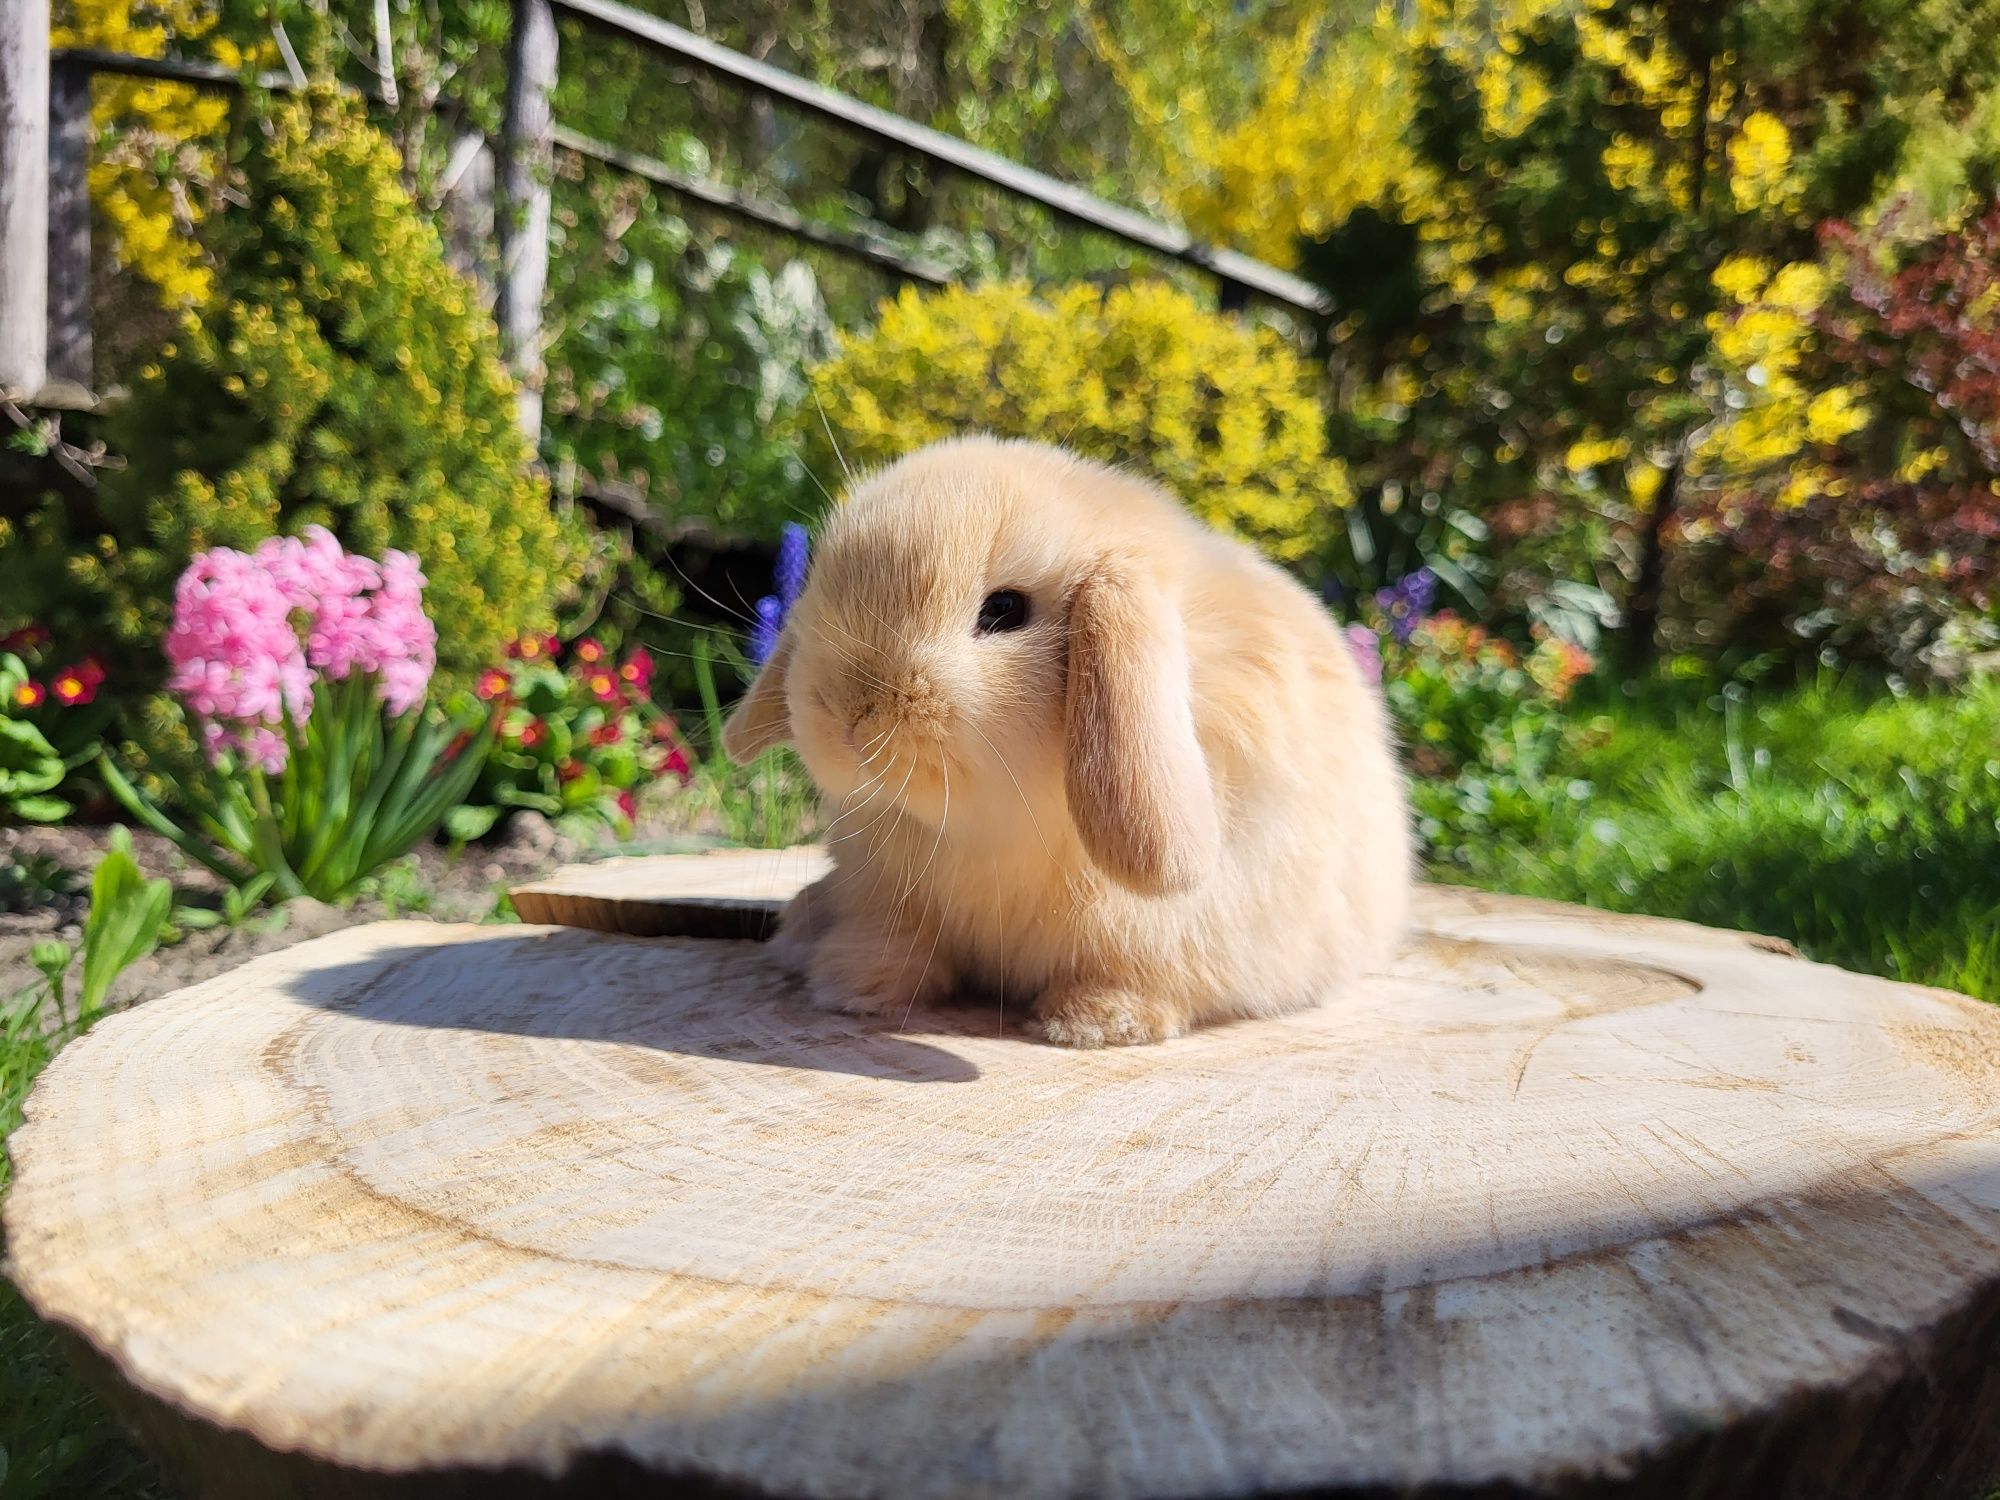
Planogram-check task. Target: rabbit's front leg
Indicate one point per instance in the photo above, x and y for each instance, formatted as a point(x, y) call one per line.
point(866, 970)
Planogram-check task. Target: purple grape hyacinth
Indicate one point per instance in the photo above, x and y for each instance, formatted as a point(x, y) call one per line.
point(772, 609)
point(791, 568)
point(764, 634)
point(1406, 602)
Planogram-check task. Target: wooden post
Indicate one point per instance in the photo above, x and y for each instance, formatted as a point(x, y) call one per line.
point(1559, 1205)
point(468, 210)
point(69, 225)
point(528, 156)
point(24, 198)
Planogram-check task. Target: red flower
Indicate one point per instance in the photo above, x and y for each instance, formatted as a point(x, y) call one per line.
point(677, 763)
point(533, 648)
point(75, 686)
point(533, 733)
point(589, 651)
point(638, 669)
point(606, 734)
point(628, 804)
point(569, 770)
point(27, 638)
point(29, 695)
point(603, 686)
point(493, 683)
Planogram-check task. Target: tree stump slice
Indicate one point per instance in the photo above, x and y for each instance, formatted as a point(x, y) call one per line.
point(1558, 1205)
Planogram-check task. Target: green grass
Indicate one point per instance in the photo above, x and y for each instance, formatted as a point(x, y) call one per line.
point(56, 1441)
point(1864, 829)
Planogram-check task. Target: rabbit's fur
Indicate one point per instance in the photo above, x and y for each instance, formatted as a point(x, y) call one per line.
point(1170, 797)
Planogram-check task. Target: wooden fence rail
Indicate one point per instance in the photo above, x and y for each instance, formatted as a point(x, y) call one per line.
point(45, 139)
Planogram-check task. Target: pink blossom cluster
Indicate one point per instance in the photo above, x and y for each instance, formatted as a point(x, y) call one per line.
point(252, 632)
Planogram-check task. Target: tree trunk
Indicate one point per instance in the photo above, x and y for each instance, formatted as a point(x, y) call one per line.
point(1562, 1204)
point(1642, 610)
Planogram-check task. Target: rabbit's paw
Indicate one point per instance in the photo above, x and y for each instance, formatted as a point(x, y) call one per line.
point(1100, 1016)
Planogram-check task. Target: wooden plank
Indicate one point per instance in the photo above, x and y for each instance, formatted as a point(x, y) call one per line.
point(1061, 198)
point(70, 137)
point(1553, 1206)
point(24, 199)
point(527, 154)
point(756, 211)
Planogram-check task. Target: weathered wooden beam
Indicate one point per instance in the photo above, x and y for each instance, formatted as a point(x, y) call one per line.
point(762, 213)
point(1061, 198)
point(527, 152)
point(24, 198)
point(70, 342)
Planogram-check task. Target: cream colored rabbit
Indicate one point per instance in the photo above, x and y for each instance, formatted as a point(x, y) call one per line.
point(1081, 751)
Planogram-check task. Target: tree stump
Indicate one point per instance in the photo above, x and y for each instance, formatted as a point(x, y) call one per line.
point(1562, 1204)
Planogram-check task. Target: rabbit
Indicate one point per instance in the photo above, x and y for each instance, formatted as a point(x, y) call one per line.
point(1082, 752)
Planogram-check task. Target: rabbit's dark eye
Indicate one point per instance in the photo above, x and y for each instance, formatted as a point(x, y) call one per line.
point(1003, 609)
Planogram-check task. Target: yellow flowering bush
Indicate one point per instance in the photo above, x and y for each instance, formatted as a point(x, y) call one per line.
point(343, 376)
point(1224, 414)
point(159, 140)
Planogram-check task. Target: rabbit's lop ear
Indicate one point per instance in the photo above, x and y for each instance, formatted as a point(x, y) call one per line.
point(760, 720)
point(1138, 784)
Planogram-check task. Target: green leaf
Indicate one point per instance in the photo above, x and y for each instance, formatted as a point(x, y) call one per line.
point(127, 912)
point(28, 762)
point(467, 822)
point(39, 809)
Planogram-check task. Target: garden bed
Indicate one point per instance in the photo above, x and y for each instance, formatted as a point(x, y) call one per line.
point(432, 882)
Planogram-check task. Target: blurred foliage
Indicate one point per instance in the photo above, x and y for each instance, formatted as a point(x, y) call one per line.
point(1871, 527)
point(1533, 254)
point(155, 166)
point(1483, 727)
point(343, 377)
point(680, 377)
point(1571, 241)
point(1225, 414)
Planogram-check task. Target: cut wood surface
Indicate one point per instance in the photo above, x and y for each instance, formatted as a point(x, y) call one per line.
point(1560, 1204)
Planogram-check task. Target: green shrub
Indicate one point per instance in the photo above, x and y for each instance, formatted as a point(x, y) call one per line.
point(344, 376)
point(1225, 414)
point(1482, 725)
point(679, 367)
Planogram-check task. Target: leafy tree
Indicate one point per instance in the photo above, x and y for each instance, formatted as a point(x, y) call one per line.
point(1526, 287)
